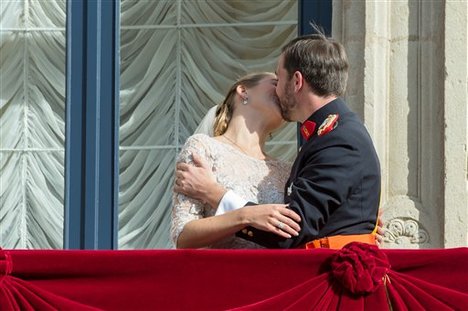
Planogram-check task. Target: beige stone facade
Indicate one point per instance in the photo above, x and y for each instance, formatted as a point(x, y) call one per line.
point(408, 81)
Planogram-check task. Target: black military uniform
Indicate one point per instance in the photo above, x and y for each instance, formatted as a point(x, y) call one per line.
point(334, 183)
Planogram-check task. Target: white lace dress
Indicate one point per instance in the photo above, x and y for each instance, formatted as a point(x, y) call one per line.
point(260, 181)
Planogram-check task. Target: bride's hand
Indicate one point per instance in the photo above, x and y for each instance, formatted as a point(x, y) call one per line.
point(276, 218)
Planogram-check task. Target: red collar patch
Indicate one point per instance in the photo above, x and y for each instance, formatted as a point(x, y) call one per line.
point(328, 125)
point(307, 129)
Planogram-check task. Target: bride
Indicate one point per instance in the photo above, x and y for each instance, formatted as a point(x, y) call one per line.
point(236, 157)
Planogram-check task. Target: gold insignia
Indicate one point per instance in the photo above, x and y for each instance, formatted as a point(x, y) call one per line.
point(328, 125)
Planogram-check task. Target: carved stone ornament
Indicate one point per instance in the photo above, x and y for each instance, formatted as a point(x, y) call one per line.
point(405, 231)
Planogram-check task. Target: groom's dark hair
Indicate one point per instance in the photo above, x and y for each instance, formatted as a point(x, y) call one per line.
point(321, 60)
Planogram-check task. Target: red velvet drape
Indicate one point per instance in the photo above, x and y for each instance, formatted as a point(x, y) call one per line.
point(358, 277)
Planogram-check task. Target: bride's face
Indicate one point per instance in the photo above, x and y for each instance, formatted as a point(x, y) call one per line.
point(263, 98)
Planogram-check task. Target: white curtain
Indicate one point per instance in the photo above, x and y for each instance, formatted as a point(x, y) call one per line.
point(178, 58)
point(32, 103)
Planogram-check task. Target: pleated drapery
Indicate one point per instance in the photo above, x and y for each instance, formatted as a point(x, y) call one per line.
point(358, 277)
point(178, 59)
point(32, 123)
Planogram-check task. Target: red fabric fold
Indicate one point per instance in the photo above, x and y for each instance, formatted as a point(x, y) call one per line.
point(408, 293)
point(234, 279)
point(16, 294)
point(293, 299)
point(358, 277)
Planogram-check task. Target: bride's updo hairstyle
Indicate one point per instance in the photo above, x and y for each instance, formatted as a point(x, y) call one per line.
point(225, 110)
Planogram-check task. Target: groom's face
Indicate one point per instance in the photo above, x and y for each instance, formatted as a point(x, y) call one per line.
point(285, 92)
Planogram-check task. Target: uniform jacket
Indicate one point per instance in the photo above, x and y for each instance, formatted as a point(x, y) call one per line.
point(334, 183)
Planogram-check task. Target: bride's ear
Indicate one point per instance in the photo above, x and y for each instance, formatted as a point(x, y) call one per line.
point(241, 91)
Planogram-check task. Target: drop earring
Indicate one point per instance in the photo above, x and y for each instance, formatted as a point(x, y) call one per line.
point(245, 100)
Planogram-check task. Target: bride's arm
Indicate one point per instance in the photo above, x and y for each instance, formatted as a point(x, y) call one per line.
point(188, 211)
point(206, 231)
point(190, 226)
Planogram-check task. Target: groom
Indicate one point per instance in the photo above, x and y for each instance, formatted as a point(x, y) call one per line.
point(335, 180)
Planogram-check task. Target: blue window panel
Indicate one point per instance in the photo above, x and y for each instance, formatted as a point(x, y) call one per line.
point(318, 12)
point(92, 117)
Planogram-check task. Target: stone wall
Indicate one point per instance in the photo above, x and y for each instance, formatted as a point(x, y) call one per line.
point(408, 81)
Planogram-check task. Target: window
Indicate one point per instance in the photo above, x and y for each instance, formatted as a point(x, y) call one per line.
point(32, 123)
point(97, 98)
point(178, 58)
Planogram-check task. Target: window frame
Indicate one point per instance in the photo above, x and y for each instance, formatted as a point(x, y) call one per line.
point(92, 117)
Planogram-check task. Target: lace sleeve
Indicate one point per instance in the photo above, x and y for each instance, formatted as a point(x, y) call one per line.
point(186, 209)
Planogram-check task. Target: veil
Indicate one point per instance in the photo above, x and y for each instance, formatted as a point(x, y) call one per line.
point(206, 124)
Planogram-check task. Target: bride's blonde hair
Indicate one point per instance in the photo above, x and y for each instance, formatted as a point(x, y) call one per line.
point(225, 110)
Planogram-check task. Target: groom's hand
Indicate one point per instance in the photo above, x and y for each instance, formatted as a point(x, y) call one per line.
point(197, 181)
point(380, 230)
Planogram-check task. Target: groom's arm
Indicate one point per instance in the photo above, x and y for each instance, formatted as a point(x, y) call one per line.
point(214, 195)
point(313, 196)
point(230, 202)
point(329, 193)
point(198, 182)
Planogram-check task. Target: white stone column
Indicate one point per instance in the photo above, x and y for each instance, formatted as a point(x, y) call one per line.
point(455, 124)
point(410, 87)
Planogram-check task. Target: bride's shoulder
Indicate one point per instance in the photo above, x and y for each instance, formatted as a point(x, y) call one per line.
point(197, 138)
point(200, 142)
point(195, 144)
point(205, 140)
